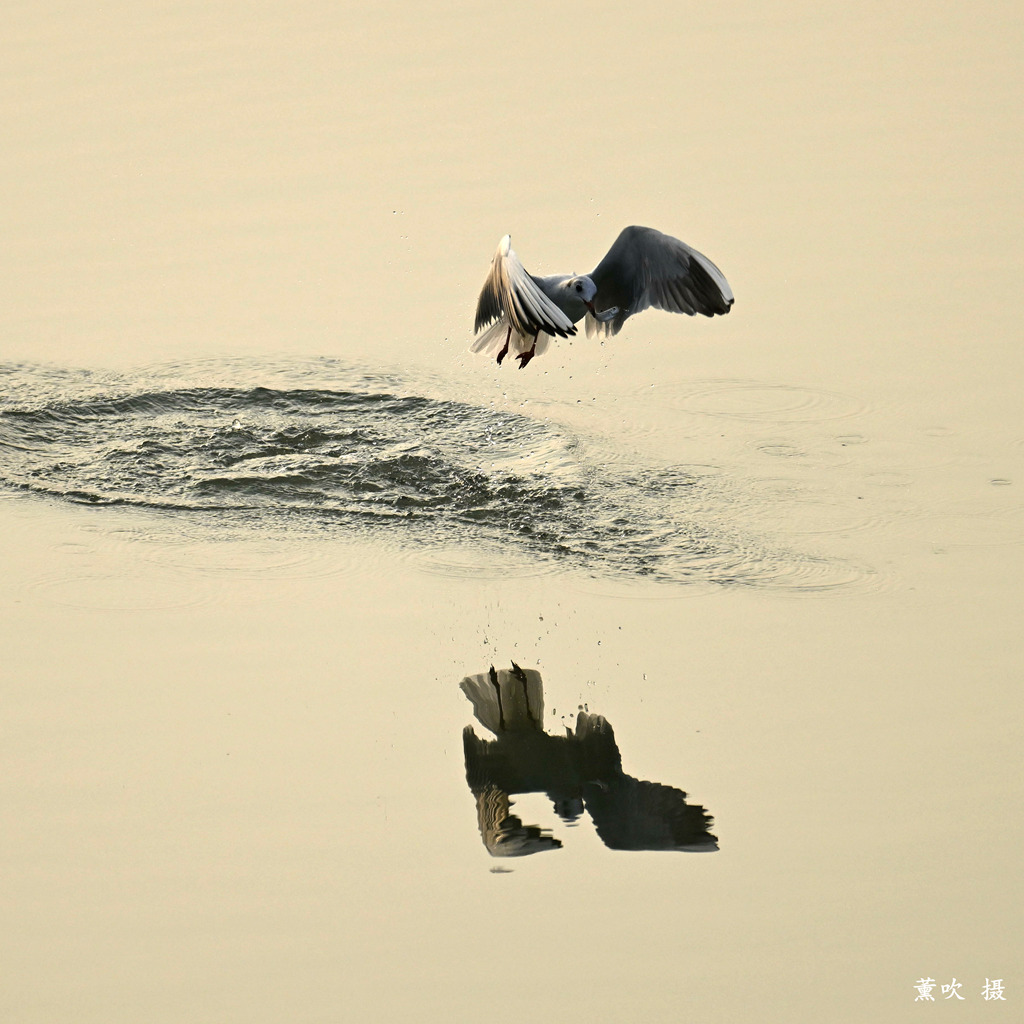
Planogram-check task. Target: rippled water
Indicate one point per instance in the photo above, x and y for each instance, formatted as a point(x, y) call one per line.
point(277, 446)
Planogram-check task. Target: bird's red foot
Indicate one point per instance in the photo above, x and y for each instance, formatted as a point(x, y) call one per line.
point(525, 357)
point(504, 350)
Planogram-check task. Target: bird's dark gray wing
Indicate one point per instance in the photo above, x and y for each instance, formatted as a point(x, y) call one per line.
point(511, 292)
point(630, 814)
point(647, 268)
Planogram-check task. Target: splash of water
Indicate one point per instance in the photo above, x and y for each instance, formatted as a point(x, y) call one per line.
point(274, 447)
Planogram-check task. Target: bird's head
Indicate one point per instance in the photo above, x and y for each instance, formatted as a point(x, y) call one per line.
point(579, 299)
point(579, 295)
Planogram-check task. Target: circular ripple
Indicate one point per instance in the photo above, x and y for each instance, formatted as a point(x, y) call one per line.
point(121, 592)
point(244, 560)
point(780, 450)
point(787, 508)
point(829, 575)
point(889, 479)
point(810, 453)
point(468, 564)
point(755, 401)
point(969, 524)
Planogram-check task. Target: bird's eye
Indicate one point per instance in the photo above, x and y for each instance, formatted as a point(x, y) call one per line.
point(579, 287)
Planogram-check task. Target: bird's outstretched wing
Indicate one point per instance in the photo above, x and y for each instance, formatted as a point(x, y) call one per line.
point(511, 292)
point(647, 268)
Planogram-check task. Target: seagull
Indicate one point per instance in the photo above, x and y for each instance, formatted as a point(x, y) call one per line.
point(642, 268)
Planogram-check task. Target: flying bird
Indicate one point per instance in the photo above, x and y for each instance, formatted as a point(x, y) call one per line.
point(522, 313)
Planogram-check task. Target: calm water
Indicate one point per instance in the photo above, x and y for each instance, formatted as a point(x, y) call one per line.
point(749, 587)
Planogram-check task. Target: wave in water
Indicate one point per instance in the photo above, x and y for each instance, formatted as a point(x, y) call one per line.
point(372, 453)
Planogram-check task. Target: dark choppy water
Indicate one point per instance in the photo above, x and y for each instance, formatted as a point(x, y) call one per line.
point(316, 446)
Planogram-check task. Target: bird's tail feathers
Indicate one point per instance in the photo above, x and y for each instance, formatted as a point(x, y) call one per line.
point(493, 340)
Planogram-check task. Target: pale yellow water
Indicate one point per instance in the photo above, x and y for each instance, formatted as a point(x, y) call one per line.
point(231, 774)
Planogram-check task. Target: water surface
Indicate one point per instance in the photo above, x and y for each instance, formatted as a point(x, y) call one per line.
point(236, 444)
point(262, 512)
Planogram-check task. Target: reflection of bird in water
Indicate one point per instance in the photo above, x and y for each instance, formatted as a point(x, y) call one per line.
point(503, 833)
point(582, 769)
point(643, 268)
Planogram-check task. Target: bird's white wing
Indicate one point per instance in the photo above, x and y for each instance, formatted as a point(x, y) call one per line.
point(646, 268)
point(510, 292)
